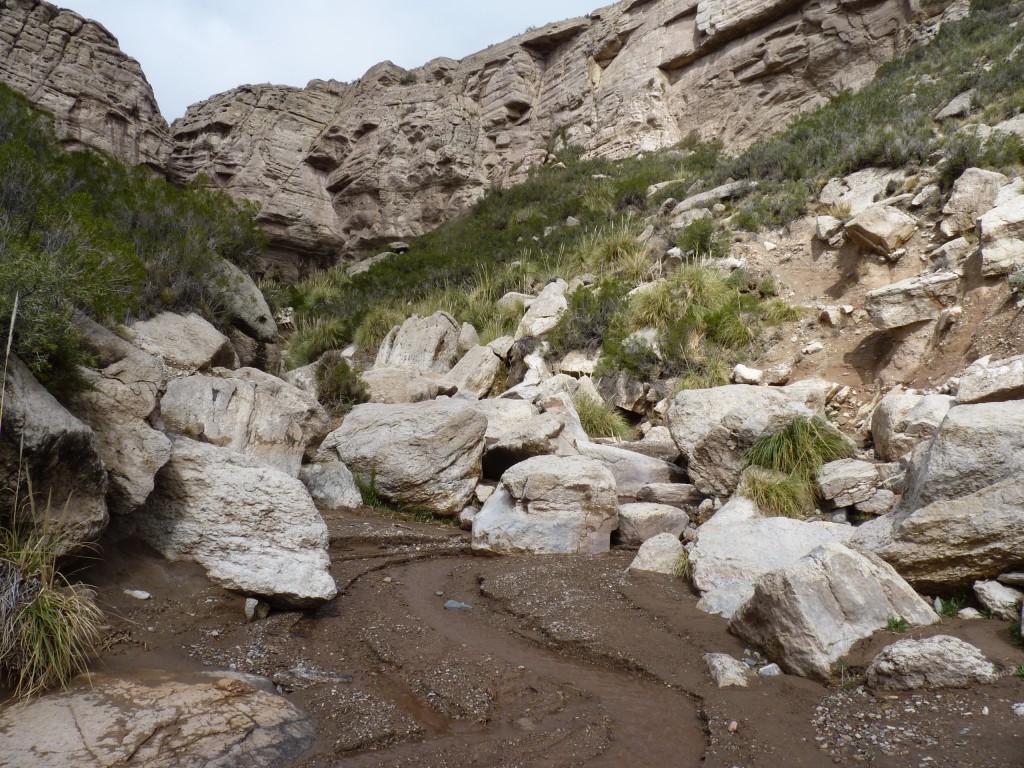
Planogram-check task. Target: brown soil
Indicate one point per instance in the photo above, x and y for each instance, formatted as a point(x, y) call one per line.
point(561, 661)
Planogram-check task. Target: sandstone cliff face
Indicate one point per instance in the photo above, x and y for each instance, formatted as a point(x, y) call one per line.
point(340, 166)
point(73, 68)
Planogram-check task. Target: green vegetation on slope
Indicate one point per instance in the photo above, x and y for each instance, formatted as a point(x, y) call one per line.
point(80, 230)
point(515, 239)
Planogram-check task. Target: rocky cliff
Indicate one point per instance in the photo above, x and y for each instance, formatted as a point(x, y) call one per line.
point(339, 166)
point(73, 68)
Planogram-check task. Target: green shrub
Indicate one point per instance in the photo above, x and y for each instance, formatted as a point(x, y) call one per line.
point(704, 239)
point(897, 624)
point(599, 419)
point(589, 314)
point(376, 325)
point(950, 606)
point(339, 387)
point(314, 337)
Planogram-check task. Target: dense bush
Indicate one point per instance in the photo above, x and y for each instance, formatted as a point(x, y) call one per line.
point(339, 387)
point(81, 231)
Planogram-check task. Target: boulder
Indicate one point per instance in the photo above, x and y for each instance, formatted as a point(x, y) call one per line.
point(476, 371)
point(738, 545)
point(116, 404)
point(504, 416)
point(975, 447)
point(973, 194)
point(406, 385)
point(304, 378)
point(808, 614)
point(632, 470)
point(1001, 601)
point(935, 662)
point(639, 522)
point(952, 543)
point(882, 229)
point(714, 428)
point(1002, 236)
point(42, 443)
point(903, 419)
point(544, 311)
point(914, 300)
point(680, 495)
point(848, 482)
point(549, 505)
point(625, 392)
point(242, 301)
point(248, 411)
point(423, 343)
point(331, 483)
point(536, 437)
point(859, 191)
point(659, 554)
point(727, 671)
point(186, 343)
point(989, 380)
point(657, 443)
point(420, 455)
point(159, 720)
point(254, 529)
point(253, 353)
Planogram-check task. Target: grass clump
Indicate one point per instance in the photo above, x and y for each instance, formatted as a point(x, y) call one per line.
point(792, 457)
point(950, 607)
point(778, 494)
point(1019, 671)
point(897, 624)
point(338, 385)
point(376, 325)
point(599, 419)
point(682, 568)
point(704, 239)
point(1015, 633)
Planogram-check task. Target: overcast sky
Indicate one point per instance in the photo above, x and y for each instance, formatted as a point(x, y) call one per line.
point(192, 49)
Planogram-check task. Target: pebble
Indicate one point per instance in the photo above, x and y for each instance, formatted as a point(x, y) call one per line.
point(771, 670)
point(138, 594)
point(455, 605)
point(734, 726)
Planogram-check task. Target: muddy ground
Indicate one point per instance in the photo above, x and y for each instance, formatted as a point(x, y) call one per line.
point(560, 661)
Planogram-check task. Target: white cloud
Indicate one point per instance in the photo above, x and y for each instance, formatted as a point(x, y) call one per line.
point(191, 49)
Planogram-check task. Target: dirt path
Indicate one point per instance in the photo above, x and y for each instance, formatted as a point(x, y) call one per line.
point(559, 662)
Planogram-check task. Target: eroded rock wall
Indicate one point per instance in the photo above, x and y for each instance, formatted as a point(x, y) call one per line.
point(338, 166)
point(73, 68)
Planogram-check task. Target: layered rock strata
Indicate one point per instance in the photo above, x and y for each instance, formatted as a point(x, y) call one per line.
point(338, 166)
point(74, 69)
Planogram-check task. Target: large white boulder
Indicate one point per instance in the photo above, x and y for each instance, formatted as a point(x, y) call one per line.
point(159, 720)
point(739, 545)
point(953, 542)
point(809, 613)
point(331, 483)
point(881, 228)
point(248, 411)
point(424, 343)
point(254, 529)
point(476, 371)
point(639, 522)
point(419, 455)
point(544, 311)
point(973, 194)
point(975, 447)
point(186, 343)
point(714, 427)
point(659, 554)
point(41, 442)
point(903, 419)
point(988, 380)
point(1002, 233)
point(549, 505)
point(913, 300)
point(935, 662)
point(406, 385)
point(242, 301)
point(119, 399)
point(632, 470)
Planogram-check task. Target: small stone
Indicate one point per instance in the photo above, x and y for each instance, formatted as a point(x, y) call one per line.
point(969, 613)
point(1018, 709)
point(813, 348)
point(734, 726)
point(771, 670)
point(455, 605)
point(138, 594)
point(256, 610)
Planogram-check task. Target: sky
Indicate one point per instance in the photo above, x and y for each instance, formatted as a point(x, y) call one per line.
point(192, 49)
